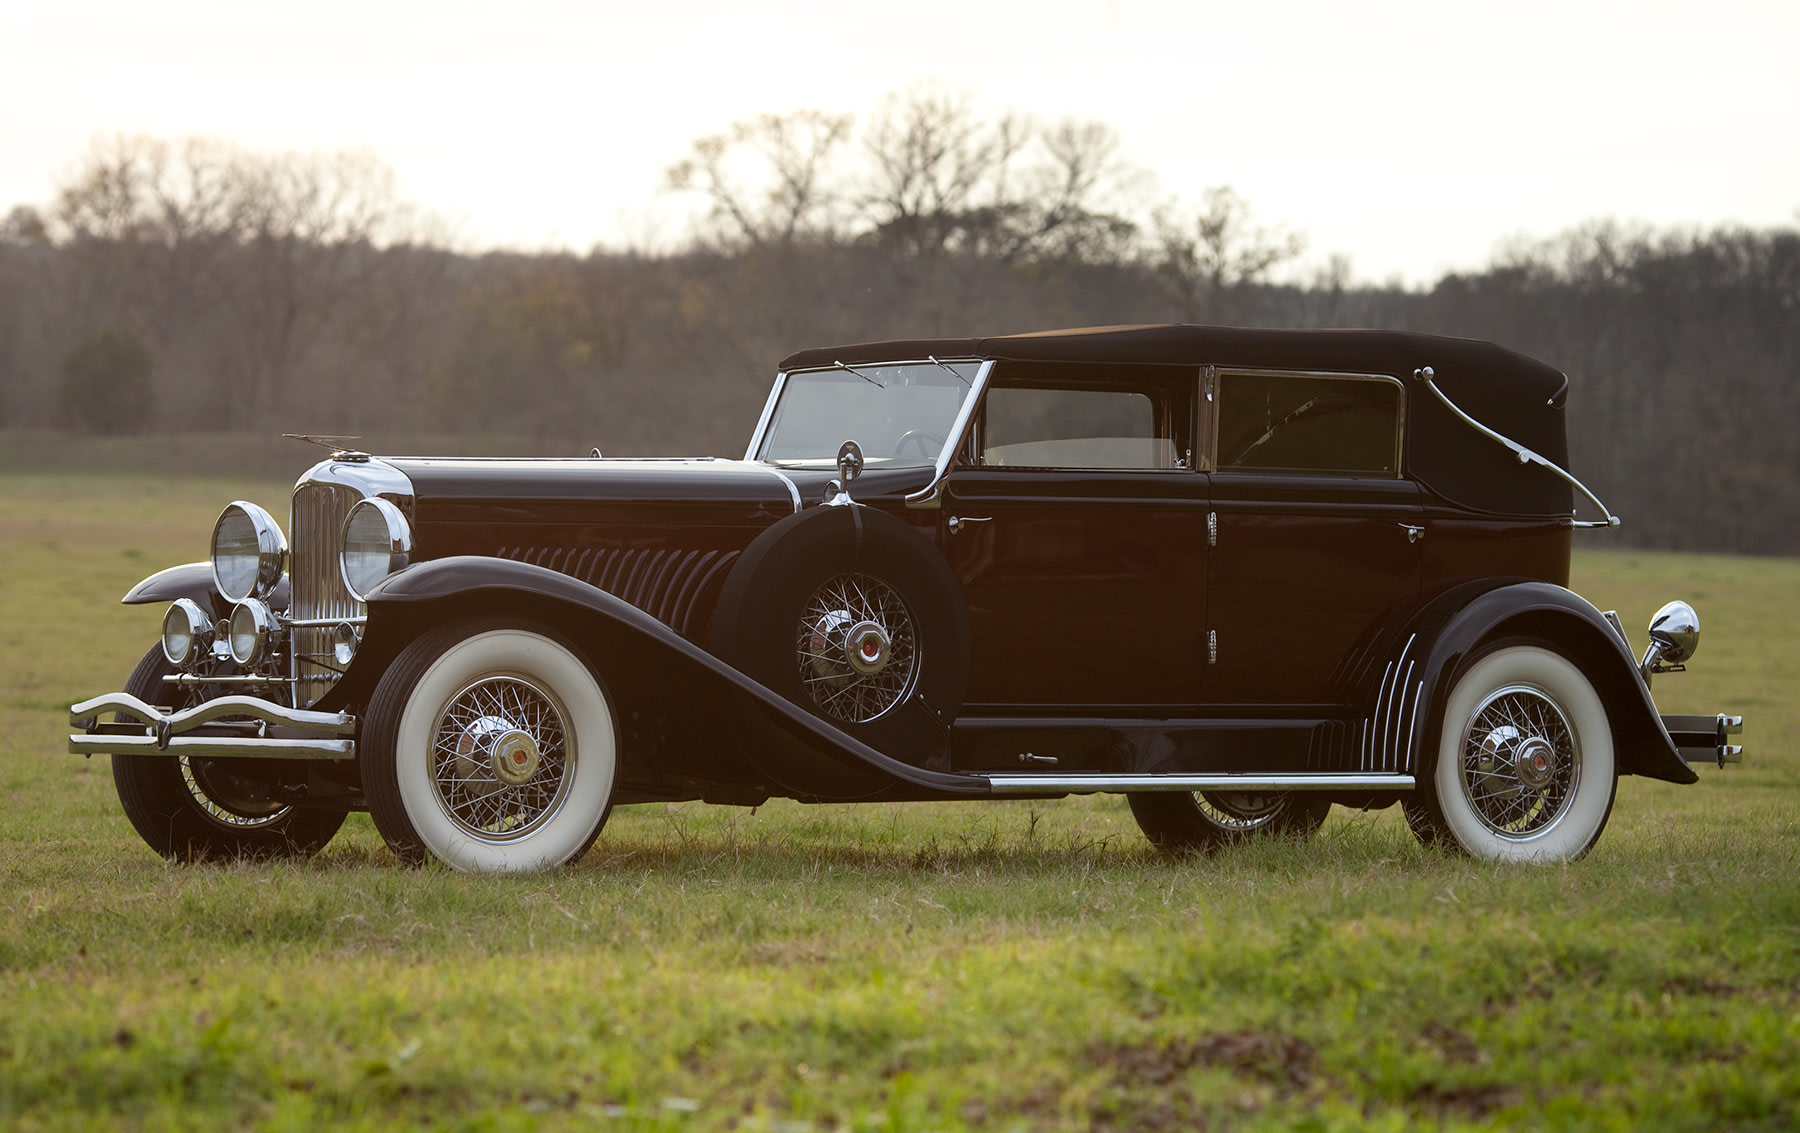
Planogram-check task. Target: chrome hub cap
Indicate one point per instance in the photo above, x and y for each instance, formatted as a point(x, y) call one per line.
point(856, 648)
point(502, 761)
point(1520, 762)
point(867, 648)
point(515, 757)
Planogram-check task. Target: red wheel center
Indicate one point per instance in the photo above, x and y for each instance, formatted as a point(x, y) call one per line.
point(871, 649)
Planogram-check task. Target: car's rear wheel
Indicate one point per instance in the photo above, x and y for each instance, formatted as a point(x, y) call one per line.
point(492, 747)
point(1524, 767)
point(1203, 820)
point(192, 809)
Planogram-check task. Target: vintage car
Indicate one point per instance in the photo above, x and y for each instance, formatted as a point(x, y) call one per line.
point(1236, 575)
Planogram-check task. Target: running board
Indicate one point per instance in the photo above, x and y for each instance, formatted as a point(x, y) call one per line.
point(1094, 784)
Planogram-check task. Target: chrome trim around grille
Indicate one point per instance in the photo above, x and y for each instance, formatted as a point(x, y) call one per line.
point(322, 502)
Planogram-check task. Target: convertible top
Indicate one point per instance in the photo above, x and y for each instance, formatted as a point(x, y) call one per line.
point(1517, 396)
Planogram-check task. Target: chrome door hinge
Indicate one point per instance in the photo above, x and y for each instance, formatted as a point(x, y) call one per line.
point(1212, 647)
point(1206, 381)
point(1212, 529)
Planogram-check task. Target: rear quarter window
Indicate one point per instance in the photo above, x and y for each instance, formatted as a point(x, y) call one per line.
point(1306, 423)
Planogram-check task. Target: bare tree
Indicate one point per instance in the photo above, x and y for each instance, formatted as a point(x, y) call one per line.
point(939, 173)
point(766, 179)
point(1204, 257)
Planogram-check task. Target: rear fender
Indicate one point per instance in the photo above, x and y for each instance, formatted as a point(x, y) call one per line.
point(650, 668)
point(1451, 628)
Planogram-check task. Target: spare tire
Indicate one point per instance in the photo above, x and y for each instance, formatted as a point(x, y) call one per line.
point(851, 614)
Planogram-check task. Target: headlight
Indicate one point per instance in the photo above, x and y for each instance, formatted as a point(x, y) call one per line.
point(376, 543)
point(248, 552)
point(184, 632)
point(251, 625)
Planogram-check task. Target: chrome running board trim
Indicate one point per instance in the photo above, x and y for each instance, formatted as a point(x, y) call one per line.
point(1280, 781)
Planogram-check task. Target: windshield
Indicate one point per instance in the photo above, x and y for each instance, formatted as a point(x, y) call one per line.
point(899, 414)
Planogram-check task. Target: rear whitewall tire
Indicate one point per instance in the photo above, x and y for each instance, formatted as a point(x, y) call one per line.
point(541, 689)
point(1559, 822)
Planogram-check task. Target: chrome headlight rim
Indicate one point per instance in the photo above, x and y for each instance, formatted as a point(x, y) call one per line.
point(252, 625)
point(271, 553)
point(190, 636)
point(384, 544)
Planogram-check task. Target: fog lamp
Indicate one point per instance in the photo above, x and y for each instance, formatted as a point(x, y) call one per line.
point(184, 632)
point(251, 626)
point(344, 641)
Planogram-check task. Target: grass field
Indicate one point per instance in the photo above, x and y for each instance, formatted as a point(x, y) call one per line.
point(996, 966)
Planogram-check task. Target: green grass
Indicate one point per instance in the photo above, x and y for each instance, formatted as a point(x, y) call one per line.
point(1003, 965)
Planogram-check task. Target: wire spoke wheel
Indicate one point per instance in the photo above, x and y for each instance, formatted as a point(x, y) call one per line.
point(212, 794)
point(1240, 813)
point(501, 758)
point(856, 648)
point(1521, 763)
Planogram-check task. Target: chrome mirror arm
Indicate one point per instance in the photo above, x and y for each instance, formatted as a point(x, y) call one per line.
point(1426, 374)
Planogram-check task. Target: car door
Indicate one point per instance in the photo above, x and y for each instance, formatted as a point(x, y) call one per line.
point(1076, 525)
point(1315, 536)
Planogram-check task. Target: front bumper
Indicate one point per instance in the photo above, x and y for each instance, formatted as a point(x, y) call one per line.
point(229, 727)
point(1702, 739)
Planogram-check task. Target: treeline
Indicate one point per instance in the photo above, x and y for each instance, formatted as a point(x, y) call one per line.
point(194, 287)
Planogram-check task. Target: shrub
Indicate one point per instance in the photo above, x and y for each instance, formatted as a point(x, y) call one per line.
point(104, 385)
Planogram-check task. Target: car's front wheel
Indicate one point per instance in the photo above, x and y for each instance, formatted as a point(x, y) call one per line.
point(193, 809)
point(1204, 820)
point(1524, 766)
point(492, 747)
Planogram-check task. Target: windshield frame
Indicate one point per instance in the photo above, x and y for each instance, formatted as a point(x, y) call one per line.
point(952, 441)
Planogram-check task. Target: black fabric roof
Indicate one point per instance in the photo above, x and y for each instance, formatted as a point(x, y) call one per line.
point(1509, 392)
point(1379, 351)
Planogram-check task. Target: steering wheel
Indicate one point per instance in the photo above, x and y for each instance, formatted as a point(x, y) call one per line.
point(930, 444)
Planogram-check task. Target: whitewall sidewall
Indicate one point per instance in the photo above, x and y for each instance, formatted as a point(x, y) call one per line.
point(590, 736)
point(1585, 814)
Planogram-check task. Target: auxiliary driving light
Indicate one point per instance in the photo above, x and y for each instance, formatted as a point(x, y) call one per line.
point(184, 631)
point(251, 625)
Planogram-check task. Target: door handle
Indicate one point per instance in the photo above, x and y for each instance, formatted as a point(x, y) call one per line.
point(1413, 533)
point(958, 522)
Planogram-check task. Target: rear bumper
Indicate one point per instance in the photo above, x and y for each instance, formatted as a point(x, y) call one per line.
point(229, 727)
point(1704, 739)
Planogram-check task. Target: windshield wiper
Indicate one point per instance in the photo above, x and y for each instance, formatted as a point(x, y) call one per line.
point(859, 374)
point(932, 358)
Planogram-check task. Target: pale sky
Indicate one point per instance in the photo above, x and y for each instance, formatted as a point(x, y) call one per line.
point(1411, 136)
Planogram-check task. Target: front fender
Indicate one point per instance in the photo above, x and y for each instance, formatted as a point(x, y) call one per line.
point(799, 751)
point(1454, 625)
point(195, 581)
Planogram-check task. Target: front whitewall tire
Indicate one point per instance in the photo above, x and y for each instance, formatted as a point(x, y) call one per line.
point(504, 754)
point(1525, 769)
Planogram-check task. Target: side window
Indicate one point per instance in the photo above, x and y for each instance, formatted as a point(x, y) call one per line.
point(1075, 428)
point(1308, 424)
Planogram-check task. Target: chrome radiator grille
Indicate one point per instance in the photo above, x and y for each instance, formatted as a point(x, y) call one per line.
point(319, 591)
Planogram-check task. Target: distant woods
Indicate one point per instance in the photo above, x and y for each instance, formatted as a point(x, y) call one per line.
point(193, 286)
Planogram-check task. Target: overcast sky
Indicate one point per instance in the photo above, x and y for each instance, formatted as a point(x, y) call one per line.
point(1411, 136)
